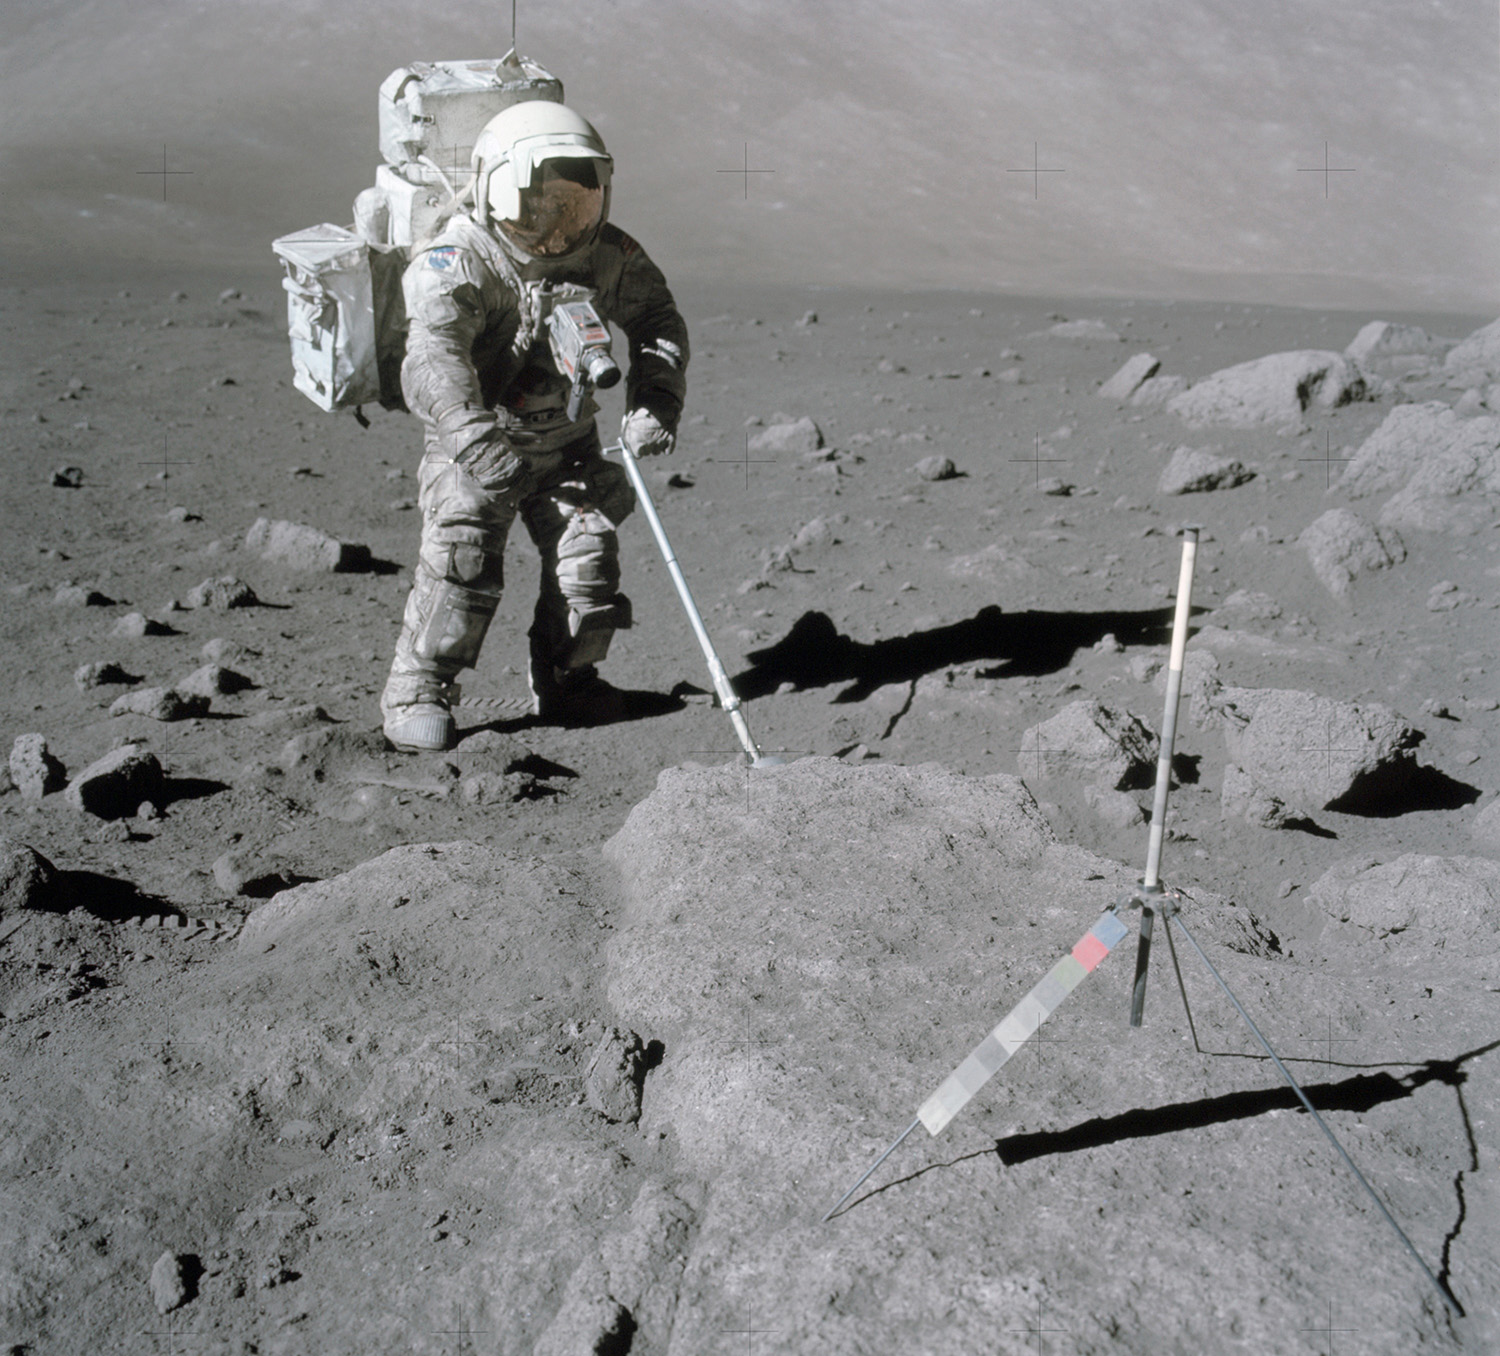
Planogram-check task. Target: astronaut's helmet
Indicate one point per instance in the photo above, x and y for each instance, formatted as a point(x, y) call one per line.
point(542, 178)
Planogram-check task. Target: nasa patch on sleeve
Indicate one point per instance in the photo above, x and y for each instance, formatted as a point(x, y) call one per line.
point(442, 258)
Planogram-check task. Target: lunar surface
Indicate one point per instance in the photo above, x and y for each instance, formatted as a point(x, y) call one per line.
point(567, 1039)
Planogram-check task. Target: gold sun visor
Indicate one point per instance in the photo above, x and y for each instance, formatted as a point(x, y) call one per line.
point(562, 207)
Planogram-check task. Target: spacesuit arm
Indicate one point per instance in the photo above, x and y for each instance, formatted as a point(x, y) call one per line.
point(446, 313)
point(657, 334)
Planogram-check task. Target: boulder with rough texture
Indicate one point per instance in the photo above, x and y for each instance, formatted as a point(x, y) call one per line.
point(788, 436)
point(159, 703)
point(304, 548)
point(1315, 751)
point(1195, 470)
point(33, 770)
point(612, 1081)
point(1485, 827)
point(27, 879)
point(1444, 469)
point(1275, 389)
point(244, 871)
point(1200, 685)
point(221, 594)
point(1128, 379)
point(814, 962)
point(169, 1282)
point(1089, 741)
point(1382, 339)
point(1440, 902)
point(936, 468)
point(115, 785)
point(212, 680)
point(101, 673)
point(1156, 392)
point(1341, 545)
point(1476, 361)
point(1245, 798)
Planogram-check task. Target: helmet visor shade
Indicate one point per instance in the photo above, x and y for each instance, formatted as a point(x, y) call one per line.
point(561, 209)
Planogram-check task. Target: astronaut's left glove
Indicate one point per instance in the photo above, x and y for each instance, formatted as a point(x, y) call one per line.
point(646, 436)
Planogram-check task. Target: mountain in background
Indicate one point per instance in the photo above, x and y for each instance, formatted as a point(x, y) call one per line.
point(1178, 148)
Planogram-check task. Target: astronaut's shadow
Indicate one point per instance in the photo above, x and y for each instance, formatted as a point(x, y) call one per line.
point(1021, 644)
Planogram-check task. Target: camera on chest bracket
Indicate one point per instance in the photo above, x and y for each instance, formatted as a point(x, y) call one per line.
point(580, 343)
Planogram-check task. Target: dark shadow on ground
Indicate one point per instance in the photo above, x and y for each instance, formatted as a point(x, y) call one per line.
point(190, 788)
point(1362, 1093)
point(108, 898)
point(1022, 644)
point(1403, 788)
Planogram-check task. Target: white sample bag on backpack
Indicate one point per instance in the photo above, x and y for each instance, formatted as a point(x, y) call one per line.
point(345, 316)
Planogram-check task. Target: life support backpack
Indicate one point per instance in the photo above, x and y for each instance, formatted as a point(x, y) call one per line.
point(346, 315)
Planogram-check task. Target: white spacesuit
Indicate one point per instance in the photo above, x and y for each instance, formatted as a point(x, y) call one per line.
point(479, 373)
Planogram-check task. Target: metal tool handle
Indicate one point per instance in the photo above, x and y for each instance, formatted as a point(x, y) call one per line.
point(1151, 882)
point(728, 699)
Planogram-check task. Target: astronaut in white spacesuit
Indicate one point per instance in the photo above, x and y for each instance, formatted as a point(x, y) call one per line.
point(479, 373)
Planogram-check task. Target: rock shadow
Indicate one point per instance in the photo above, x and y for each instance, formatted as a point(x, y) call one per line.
point(1403, 788)
point(108, 898)
point(1022, 644)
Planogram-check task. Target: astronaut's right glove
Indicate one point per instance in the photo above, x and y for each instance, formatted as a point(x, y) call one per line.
point(646, 436)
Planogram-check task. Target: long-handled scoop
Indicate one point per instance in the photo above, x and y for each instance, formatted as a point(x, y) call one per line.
point(728, 698)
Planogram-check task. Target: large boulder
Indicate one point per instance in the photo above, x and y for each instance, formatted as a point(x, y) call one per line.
point(1444, 469)
point(114, 786)
point(33, 770)
point(304, 548)
point(815, 958)
point(1196, 470)
point(1275, 389)
point(1088, 741)
point(1314, 751)
point(1382, 339)
point(27, 879)
point(1475, 361)
point(1341, 545)
point(1445, 903)
point(785, 435)
point(1128, 379)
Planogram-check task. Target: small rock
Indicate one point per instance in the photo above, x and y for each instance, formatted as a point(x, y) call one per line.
point(27, 880)
point(113, 786)
point(1115, 808)
point(1083, 329)
point(1341, 545)
point(246, 872)
point(74, 595)
point(1284, 889)
point(936, 468)
point(159, 703)
point(1155, 392)
point(229, 294)
point(179, 514)
point(1056, 486)
point(227, 652)
point(33, 770)
point(792, 436)
point(1244, 798)
point(67, 477)
point(615, 1074)
point(304, 548)
point(1128, 379)
point(1486, 826)
point(134, 625)
point(221, 594)
point(1197, 470)
point(808, 318)
point(212, 680)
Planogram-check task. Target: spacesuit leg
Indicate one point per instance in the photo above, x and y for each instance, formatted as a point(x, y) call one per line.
point(572, 520)
point(455, 592)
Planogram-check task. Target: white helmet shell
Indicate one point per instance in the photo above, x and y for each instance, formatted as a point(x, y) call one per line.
point(517, 140)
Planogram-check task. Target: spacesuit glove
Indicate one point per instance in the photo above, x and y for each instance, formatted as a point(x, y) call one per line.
point(646, 436)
